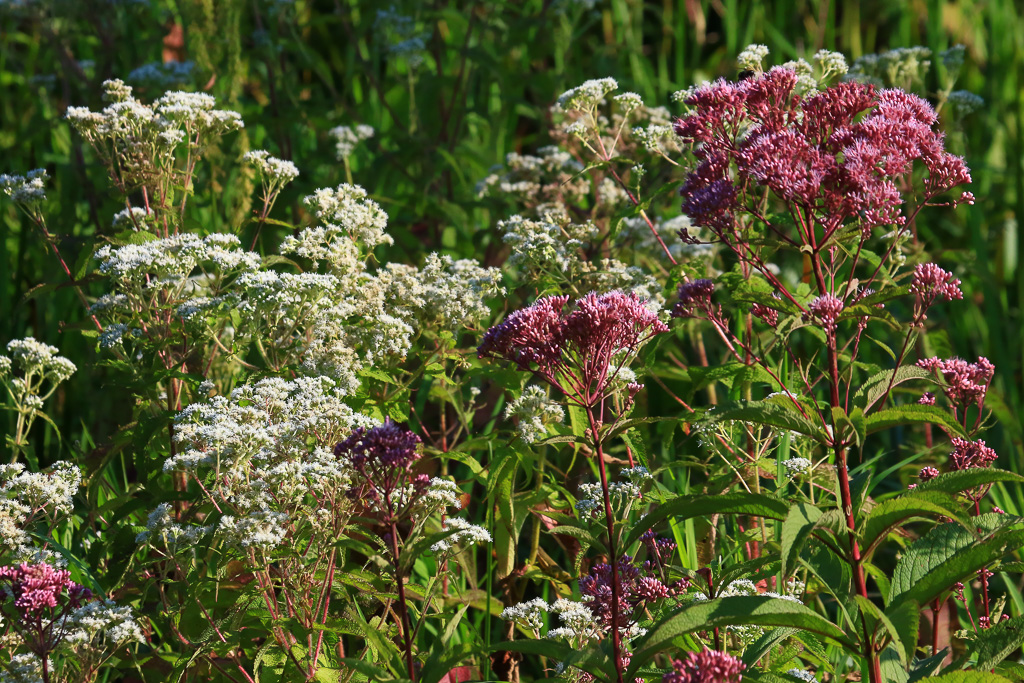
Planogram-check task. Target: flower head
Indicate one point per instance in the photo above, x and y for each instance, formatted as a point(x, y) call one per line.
point(709, 666)
point(826, 309)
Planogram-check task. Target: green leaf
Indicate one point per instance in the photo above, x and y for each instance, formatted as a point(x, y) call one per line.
point(778, 411)
point(913, 414)
point(946, 555)
point(994, 644)
point(955, 482)
point(798, 525)
point(876, 386)
point(755, 610)
point(890, 514)
point(687, 507)
point(969, 677)
point(903, 622)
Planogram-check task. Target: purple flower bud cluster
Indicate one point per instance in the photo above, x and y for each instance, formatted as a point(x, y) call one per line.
point(709, 666)
point(768, 315)
point(695, 299)
point(928, 284)
point(383, 457)
point(969, 454)
point(574, 349)
point(839, 153)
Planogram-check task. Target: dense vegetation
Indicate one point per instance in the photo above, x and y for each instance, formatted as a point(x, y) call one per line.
point(500, 341)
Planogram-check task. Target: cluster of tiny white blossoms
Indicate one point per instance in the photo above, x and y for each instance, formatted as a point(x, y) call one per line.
point(543, 183)
point(797, 466)
point(577, 621)
point(27, 191)
point(36, 358)
point(171, 260)
point(550, 243)
point(28, 497)
point(534, 411)
point(588, 96)
point(273, 172)
point(347, 138)
point(24, 668)
point(803, 675)
point(752, 57)
point(465, 534)
point(348, 209)
point(139, 141)
point(622, 493)
point(263, 454)
point(102, 624)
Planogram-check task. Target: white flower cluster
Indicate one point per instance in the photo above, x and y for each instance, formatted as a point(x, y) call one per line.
point(588, 96)
point(796, 466)
point(739, 587)
point(400, 35)
point(139, 141)
point(172, 259)
point(621, 493)
point(347, 138)
point(466, 534)
point(803, 675)
point(347, 208)
point(752, 58)
point(27, 191)
point(548, 244)
point(578, 623)
point(162, 526)
point(36, 358)
point(24, 668)
point(273, 172)
point(264, 454)
point(964, 102)
point(132, 217)
point(529, 614)
point(25, 497)
point(534, 411)
point(545, 182)
point(102, 624)
point(831, 63)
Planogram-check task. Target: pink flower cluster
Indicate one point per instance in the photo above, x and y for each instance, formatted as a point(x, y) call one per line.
point(928, 284)
point(574, 349)
point(39, 587)
point(966, 382)
point(837, 155)
point(970, 455)
point(709, 666)
point(636, 589)
point(826, 309)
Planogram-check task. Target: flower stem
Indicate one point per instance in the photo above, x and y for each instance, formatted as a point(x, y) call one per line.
point(612, 555)
point(403, 610)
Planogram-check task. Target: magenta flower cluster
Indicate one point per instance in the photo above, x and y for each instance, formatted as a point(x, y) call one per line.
point(835, 156)
point(579, 350)
point(708, 666)
point(966, 383)
point(40, 587)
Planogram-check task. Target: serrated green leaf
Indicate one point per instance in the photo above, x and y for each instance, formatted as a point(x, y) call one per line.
point(889, 514)
point(799, 523)
point(878, 384)
point(996, 643)
point(687, 507)
point(913, 414)
point(961, 480)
